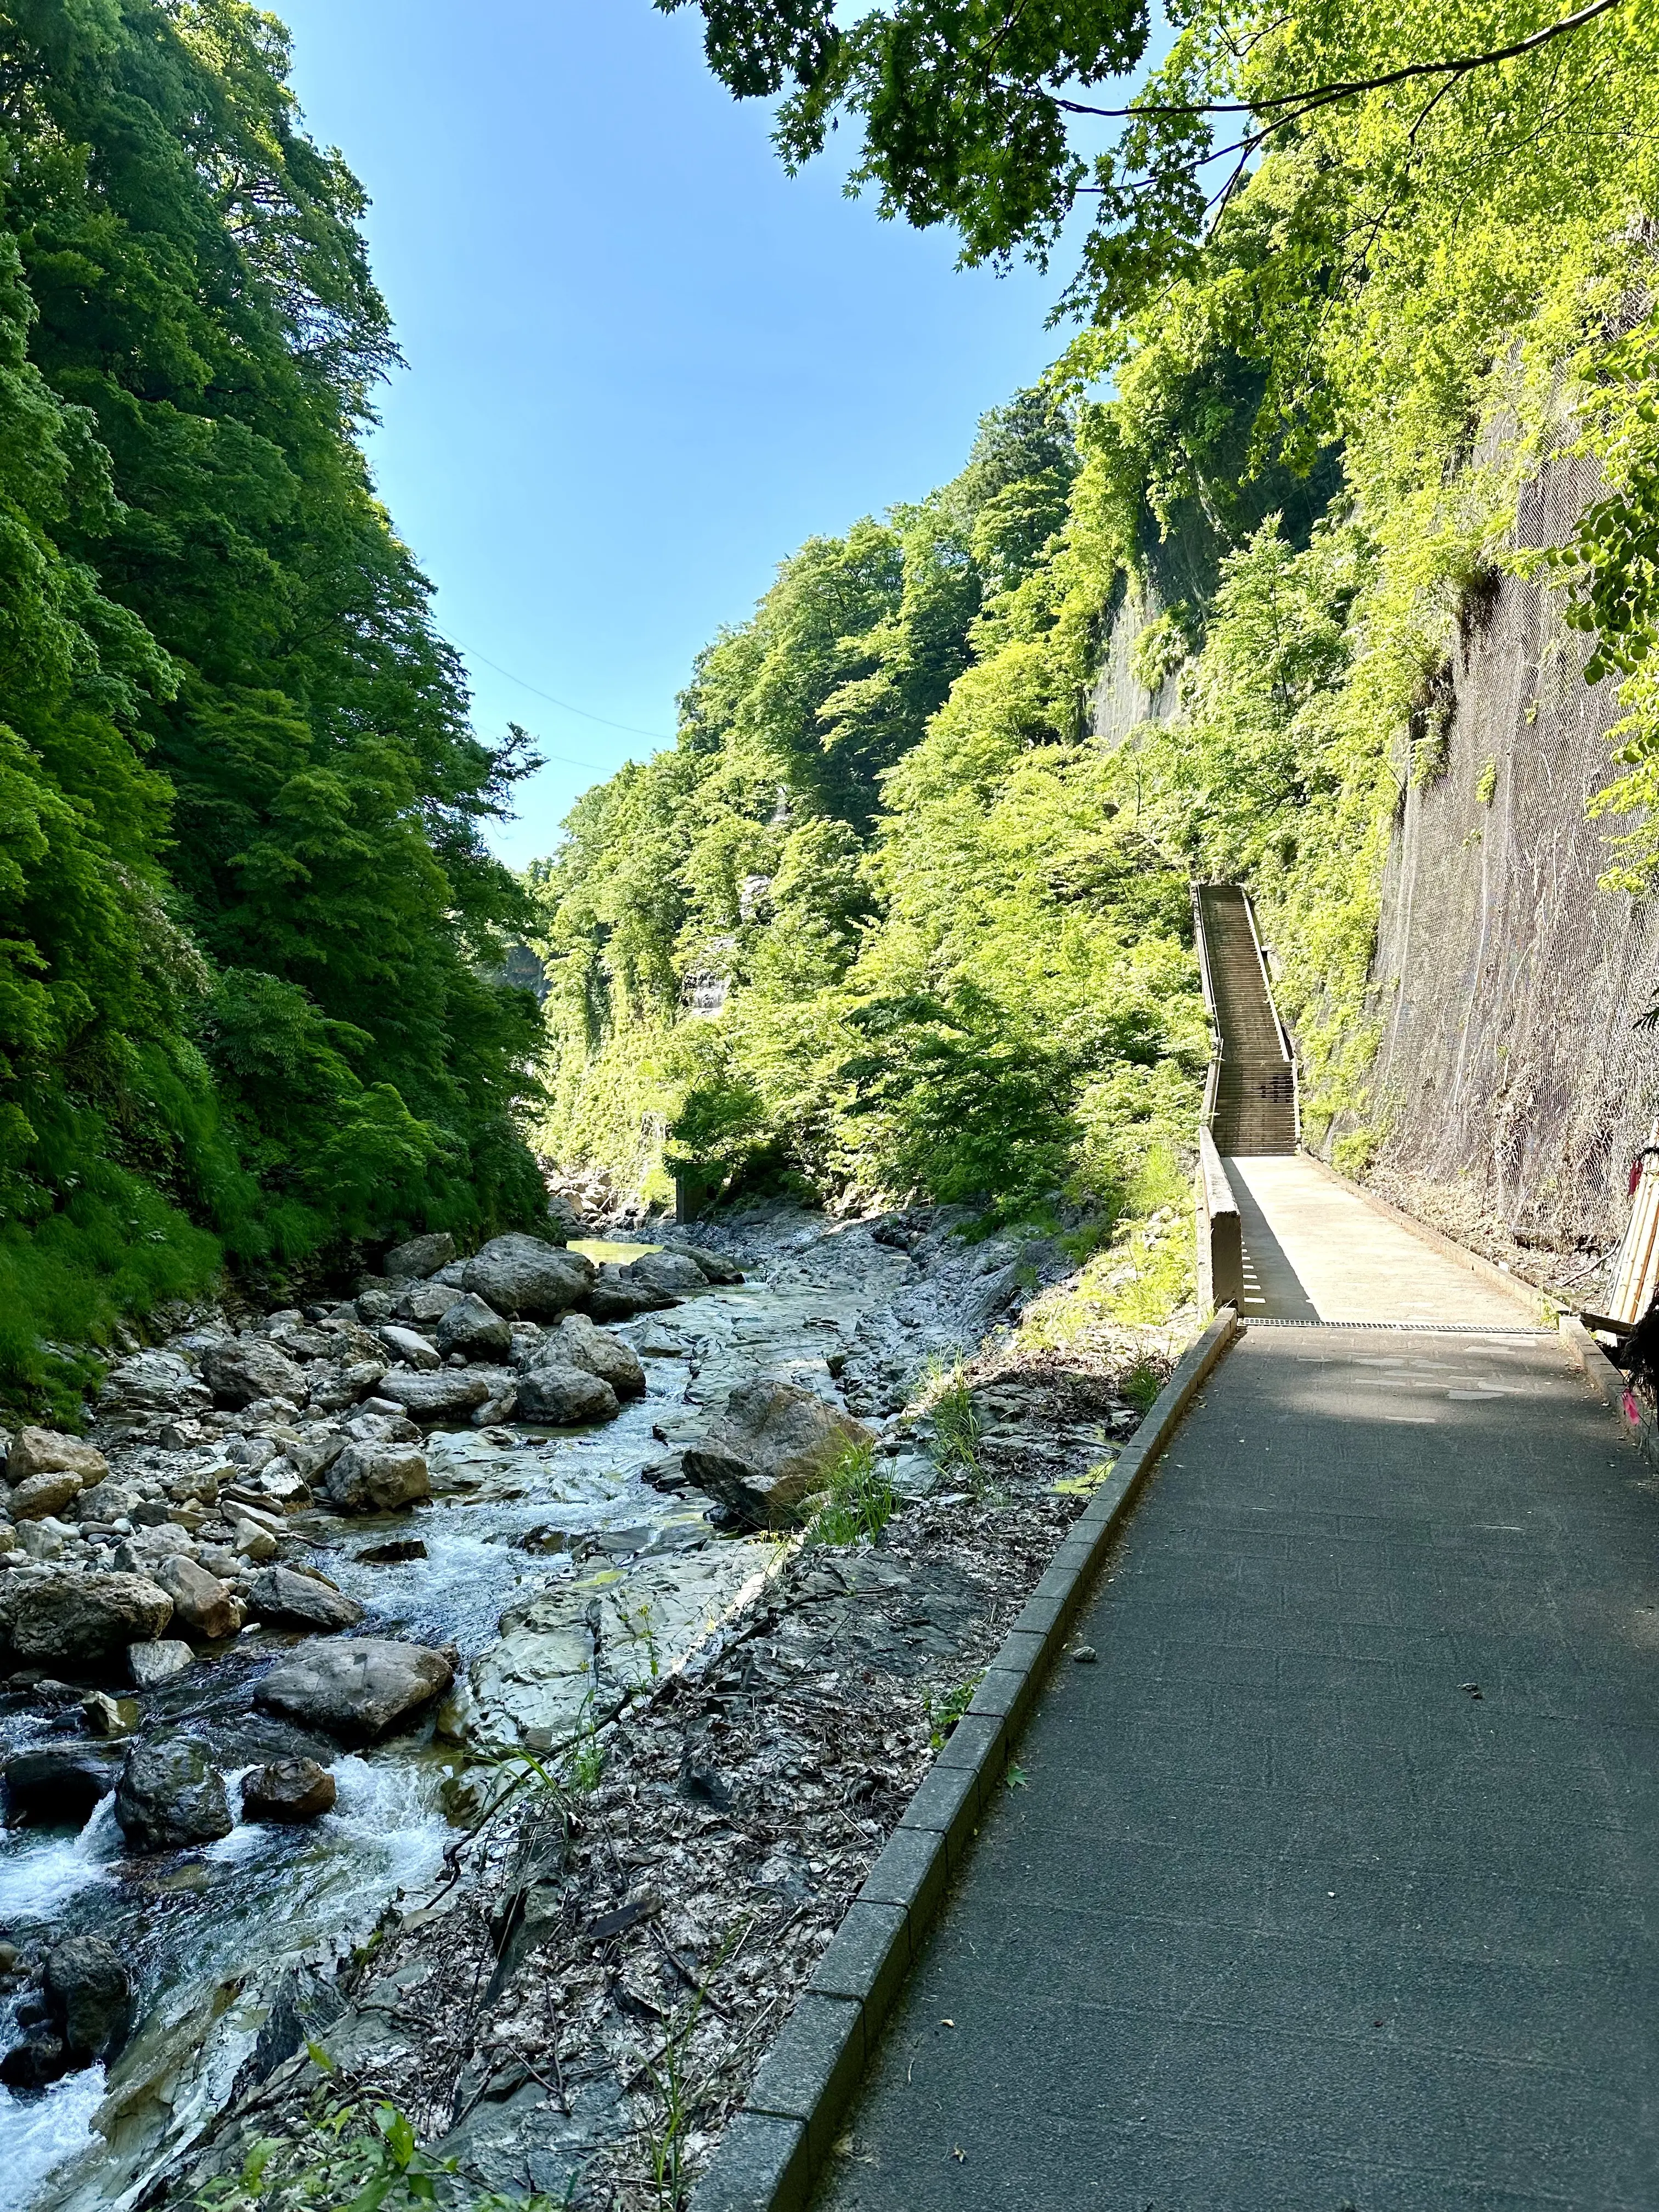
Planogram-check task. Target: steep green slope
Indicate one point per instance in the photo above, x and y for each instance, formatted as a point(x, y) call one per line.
point(249, 919)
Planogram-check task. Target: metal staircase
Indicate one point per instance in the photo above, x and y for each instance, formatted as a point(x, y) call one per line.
point(1250, 1105)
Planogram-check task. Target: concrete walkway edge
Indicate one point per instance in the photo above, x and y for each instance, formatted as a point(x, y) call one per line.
point(1600, 1371)
point(774, 2150)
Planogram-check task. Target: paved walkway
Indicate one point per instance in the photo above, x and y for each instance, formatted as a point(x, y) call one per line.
point(1313, 1251)
point(1286, 1917)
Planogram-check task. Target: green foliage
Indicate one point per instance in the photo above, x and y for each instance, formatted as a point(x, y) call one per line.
point(246, 915)
point(942, 1713)
point(957, 1428)
point(859, 1501)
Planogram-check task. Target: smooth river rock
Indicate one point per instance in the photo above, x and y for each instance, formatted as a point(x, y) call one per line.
point(356, 1692)
point(449, 1395)
point(202, 1606)
point(58, 1785)
point(376, 1478)
point(288, 1790)
point(89, 1992)
point(474, 1328)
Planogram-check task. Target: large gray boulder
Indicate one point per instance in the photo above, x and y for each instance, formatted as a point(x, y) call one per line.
point(449, 1395)
point(714, 1265)
point(171, 1794)
point(422, 1256)
point(90, 1993)
point(578, 1341)
point(249, 1367)
point(284, 1599)
point(673, 1272)
point(565, 1396)
point(616, 1297)
point(474, 1329)
point(48, 1451)
point(202, 1606)
point(525, 1275)
point(774, 1446)
point(42, 1494)
point(356, 1692)
point(52, 1616)
point(150, 1383)
point(376, 1478)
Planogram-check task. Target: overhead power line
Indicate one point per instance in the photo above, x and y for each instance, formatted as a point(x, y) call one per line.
point(565, 707)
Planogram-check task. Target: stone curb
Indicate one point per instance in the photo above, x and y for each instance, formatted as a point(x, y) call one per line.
point(1513, 1286)
point(1605, 1377)
point(773, 2151)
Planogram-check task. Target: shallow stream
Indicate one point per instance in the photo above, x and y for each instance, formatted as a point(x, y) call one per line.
point(514, 1515)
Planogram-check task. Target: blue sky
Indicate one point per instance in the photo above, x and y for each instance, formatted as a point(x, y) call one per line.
point(643, 363)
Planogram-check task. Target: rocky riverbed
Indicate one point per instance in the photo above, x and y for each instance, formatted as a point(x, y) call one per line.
point(434, 1676)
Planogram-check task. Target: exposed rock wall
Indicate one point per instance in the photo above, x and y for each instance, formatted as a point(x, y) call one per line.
point(1510, 1079)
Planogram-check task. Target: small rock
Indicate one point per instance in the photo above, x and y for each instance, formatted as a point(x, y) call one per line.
point(149, 1665)
point(171, 1794)
point(423, 1302)
point(1084, 1655)
point(406, 1344)
point(38, 2059)
point(48, 1451)
point(108, 1716)
point(282, 1599)
point(42, 1540)
point(288, 1790)
point(394, 1554)
point(421, 1256)
point(254, 1542)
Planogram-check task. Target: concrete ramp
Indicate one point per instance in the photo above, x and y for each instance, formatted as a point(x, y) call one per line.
point(1314, 1250)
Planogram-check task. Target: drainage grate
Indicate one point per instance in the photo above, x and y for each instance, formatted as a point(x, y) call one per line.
point(1416, 1327)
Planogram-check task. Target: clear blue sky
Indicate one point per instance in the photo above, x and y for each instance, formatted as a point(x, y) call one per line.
point(643, 363)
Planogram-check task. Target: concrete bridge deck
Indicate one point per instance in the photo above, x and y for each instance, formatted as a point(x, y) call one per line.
point(1330, 1887)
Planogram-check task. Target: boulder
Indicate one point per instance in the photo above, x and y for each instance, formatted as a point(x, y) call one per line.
point(449, 1395)
point(252, 1541)
point(288, 1791)
point(423, 1302)
point(108, 1500)
point(564, 1218)
point(41, 1494)
point(249, 1367)
point(669, 1271)
point(57, 1784)
point(344, 1386)
point(149, 1665)
point(520, 1274)
point(47, 1451)
point(774, 1446)
point(105, 1716)
point(50, 1614)
point(615, 1297)
point(356, 1692)
point(90, 1993)
point(376, 1478)
point(202, 1606)
point(40, 2060)
point(714, 1265)
point(422, 1256)
point(474, 1328)
point(147, 1386)
point(565, 1396)
point(578, 1342)
point(406, 1344)
point(283, 1598)
point(171, 1794)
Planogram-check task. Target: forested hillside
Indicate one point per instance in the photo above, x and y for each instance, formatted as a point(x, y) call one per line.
point(1353, 274)
point(249, 919)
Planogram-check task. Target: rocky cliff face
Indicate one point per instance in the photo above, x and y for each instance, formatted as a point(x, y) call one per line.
point(1512, 1083)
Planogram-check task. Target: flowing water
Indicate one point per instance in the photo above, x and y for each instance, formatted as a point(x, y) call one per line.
point(207, 1932)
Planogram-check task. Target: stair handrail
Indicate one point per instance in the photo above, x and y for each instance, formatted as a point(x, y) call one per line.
point(1285, 1044)
point(1206, 1114)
